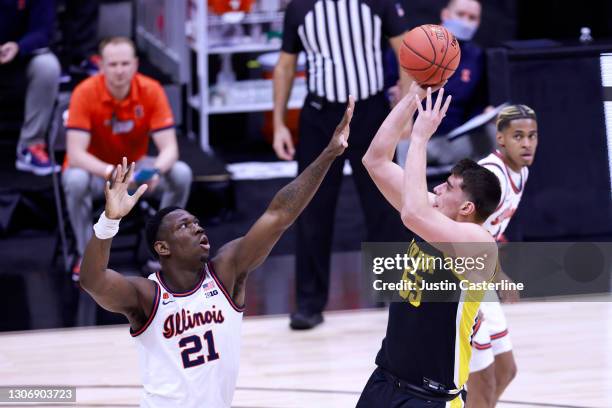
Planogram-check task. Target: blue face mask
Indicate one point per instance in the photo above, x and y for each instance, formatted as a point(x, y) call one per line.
point(463, 30)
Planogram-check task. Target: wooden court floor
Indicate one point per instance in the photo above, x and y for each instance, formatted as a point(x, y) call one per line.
point(563, 352)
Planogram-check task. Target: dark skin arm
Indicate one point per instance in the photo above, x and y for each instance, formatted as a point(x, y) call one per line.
point(131, 296)
point(239, 257)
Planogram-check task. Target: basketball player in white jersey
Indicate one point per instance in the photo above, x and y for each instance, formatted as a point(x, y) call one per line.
point(186, 319)
point(492, 367)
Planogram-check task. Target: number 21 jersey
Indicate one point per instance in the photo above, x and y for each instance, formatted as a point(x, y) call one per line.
point(189, 349)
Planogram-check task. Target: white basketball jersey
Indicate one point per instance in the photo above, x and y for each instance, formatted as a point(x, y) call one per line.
point(189, 349)
point(512, 186)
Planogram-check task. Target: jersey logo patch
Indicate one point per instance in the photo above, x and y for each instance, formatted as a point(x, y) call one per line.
point(139, 111)
point(211, 293)
point(119, 126)
point(209, 289)
point(166, 299)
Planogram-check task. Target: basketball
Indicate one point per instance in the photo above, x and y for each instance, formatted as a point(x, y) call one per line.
point(430, 54)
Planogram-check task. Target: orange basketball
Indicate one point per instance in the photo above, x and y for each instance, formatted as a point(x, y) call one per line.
point(430, 54)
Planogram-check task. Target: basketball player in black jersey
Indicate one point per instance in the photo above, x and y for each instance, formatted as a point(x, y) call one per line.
point(424, 358)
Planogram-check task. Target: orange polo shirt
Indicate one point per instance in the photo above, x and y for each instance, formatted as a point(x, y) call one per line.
point(119, 127)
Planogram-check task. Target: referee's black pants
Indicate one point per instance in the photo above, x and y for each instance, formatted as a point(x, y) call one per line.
point(318, 121)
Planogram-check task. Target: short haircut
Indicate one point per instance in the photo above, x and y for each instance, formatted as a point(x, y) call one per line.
point(513, 112)
point(114, 41)
point(152, 228)
point(451, 2)
point(480, 185)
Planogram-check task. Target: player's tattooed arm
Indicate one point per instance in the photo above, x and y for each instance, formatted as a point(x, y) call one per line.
point(250, 251)
point(291, 200)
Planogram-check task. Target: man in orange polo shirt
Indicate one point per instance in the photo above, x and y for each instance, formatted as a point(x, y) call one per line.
point(111, 115)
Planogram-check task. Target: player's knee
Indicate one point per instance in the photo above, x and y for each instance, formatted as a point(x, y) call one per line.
point(489, 383)
point(75, 182)
point(180, 175)
point(46, 67)
point(506, 375)
point(482, 386)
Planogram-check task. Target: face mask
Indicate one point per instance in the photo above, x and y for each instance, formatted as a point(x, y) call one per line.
point(463, 30)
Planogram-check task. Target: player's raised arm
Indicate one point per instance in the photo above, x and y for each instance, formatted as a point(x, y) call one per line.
point(378, 160)
point(244, 254)
point(110, 289)
point(417, 213)
point(453, 223)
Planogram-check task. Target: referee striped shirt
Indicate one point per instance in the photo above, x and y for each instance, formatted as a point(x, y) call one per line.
point(342, 40)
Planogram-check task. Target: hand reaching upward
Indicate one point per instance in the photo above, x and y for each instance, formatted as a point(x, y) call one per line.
point(339, 141)
point(429, 119)
point(118, 201)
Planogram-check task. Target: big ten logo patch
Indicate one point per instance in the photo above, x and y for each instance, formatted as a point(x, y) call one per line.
point(209, 290)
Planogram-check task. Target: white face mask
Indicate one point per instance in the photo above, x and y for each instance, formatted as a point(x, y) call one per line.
point(463, 30)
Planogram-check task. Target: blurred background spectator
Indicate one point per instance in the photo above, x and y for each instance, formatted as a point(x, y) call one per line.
point(26, 28)
point(112, 115)
point(468, 87)
point(80, 38)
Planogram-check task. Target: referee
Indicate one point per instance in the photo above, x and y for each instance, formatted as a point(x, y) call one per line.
point(342, 40)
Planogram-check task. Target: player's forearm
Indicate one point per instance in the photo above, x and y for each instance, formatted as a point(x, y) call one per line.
point(94, 263)
point(166, 158)
point(87, 161)
point(295, 196)
point(383, 146)
point(283, 81)
point(414, 194)
point(398, 122)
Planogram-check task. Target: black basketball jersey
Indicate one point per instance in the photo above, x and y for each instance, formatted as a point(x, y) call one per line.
point(428, 334)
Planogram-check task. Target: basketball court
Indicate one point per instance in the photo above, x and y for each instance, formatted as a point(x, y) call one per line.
point(217, 87)
point(562, 350)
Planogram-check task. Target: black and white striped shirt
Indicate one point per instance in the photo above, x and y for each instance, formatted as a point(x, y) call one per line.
point(342, 40)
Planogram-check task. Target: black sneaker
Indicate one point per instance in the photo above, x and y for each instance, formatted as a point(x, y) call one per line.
point(303, 321)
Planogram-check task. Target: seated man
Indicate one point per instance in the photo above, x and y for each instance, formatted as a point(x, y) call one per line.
point(25, 31)
point(111, 115)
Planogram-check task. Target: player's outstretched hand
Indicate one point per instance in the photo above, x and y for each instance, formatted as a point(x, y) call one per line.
point(339, 141)
point(429, 119)
point(118, 201)
point(416, 89)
